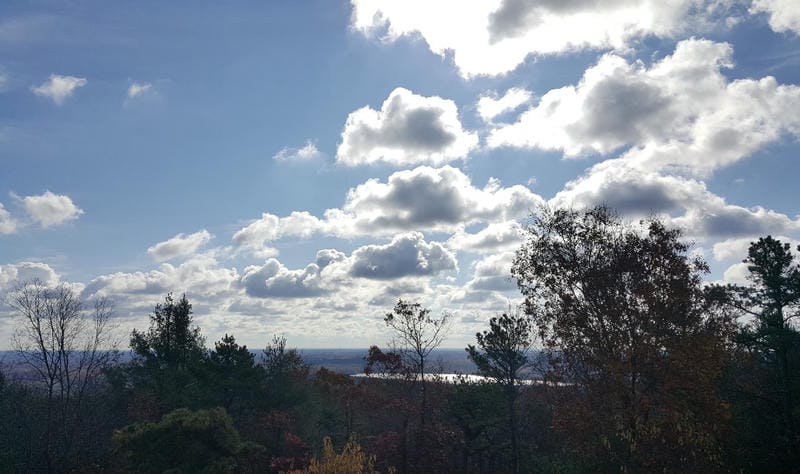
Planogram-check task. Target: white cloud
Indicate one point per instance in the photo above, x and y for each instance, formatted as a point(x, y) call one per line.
point(408, 129)
point(784, 15)
point(201, 276)
point(679, 113)
point(428, 198)
point(307, 152)
point(737, 248)
point(59, 88)
point(493, 273)
point(26, 271)
point(422, 199)
point(179, 246)
point(377, 273)
point(736, 274)
point(138, 89)
point(406, 255)
point(701, 213)
point(494, 237)
point(8, 225)
point(270, 227)
point(51, 209)
point(490, 106)
point(273, 280)
point(493, 37)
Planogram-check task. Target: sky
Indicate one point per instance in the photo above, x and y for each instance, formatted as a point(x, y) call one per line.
point(296, 167)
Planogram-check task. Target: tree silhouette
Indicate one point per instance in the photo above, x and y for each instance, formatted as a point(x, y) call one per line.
point(235, 379)
point(624, 317)
point(501, 354)
point(417, 334)
point(772, 303)
point(169, 358)
point(67, 346)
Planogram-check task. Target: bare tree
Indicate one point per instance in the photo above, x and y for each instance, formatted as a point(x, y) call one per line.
point(67, 346)
point(417, 334)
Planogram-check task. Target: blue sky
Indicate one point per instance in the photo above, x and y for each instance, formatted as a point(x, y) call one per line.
point(296, 167)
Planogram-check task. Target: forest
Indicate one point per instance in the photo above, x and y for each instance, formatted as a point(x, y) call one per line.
point(622, 358)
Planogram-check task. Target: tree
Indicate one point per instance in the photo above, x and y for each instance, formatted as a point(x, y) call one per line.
point(626, 322)
point(235, 376)
point(168, 359)
point(286, 373)
point(502, 355)
point(171, 340)
point(772, 302)
point(417, 334)
point(67, 346)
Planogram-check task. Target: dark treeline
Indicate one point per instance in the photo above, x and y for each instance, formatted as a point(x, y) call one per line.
point(642, 367)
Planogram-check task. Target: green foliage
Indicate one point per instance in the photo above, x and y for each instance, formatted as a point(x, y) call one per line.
point(286, 374)
point(171, 340)
point(184, 441)
point(168, 367)
point(235, 377)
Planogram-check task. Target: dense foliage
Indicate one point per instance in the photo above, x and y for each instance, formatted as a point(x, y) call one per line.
point(642, 367)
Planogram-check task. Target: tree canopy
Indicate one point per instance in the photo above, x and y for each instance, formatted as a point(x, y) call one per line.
point(622, 311)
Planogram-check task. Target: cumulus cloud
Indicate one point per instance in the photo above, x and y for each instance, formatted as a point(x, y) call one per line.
point(138, 89)
point(495, 237)
point(307, 152)
point(637, 193)
point(784, 15)
point(428, 198)
point(273, 280)
point(59, 88)
point(736, 274)
point(8, 225)
point(421, 199)
point(737, 248)
point(681, 112)
point(202, 276)
point(26, 271)
point(406, 255)
point(270, 227)
point(495, 36)
point(493, 273)
point(179, 246)
point(51, 209)
point(490, 105)
point(408, 129)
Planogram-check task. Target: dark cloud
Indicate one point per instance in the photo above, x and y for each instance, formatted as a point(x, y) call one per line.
point(514, 18)
point(622, 109)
